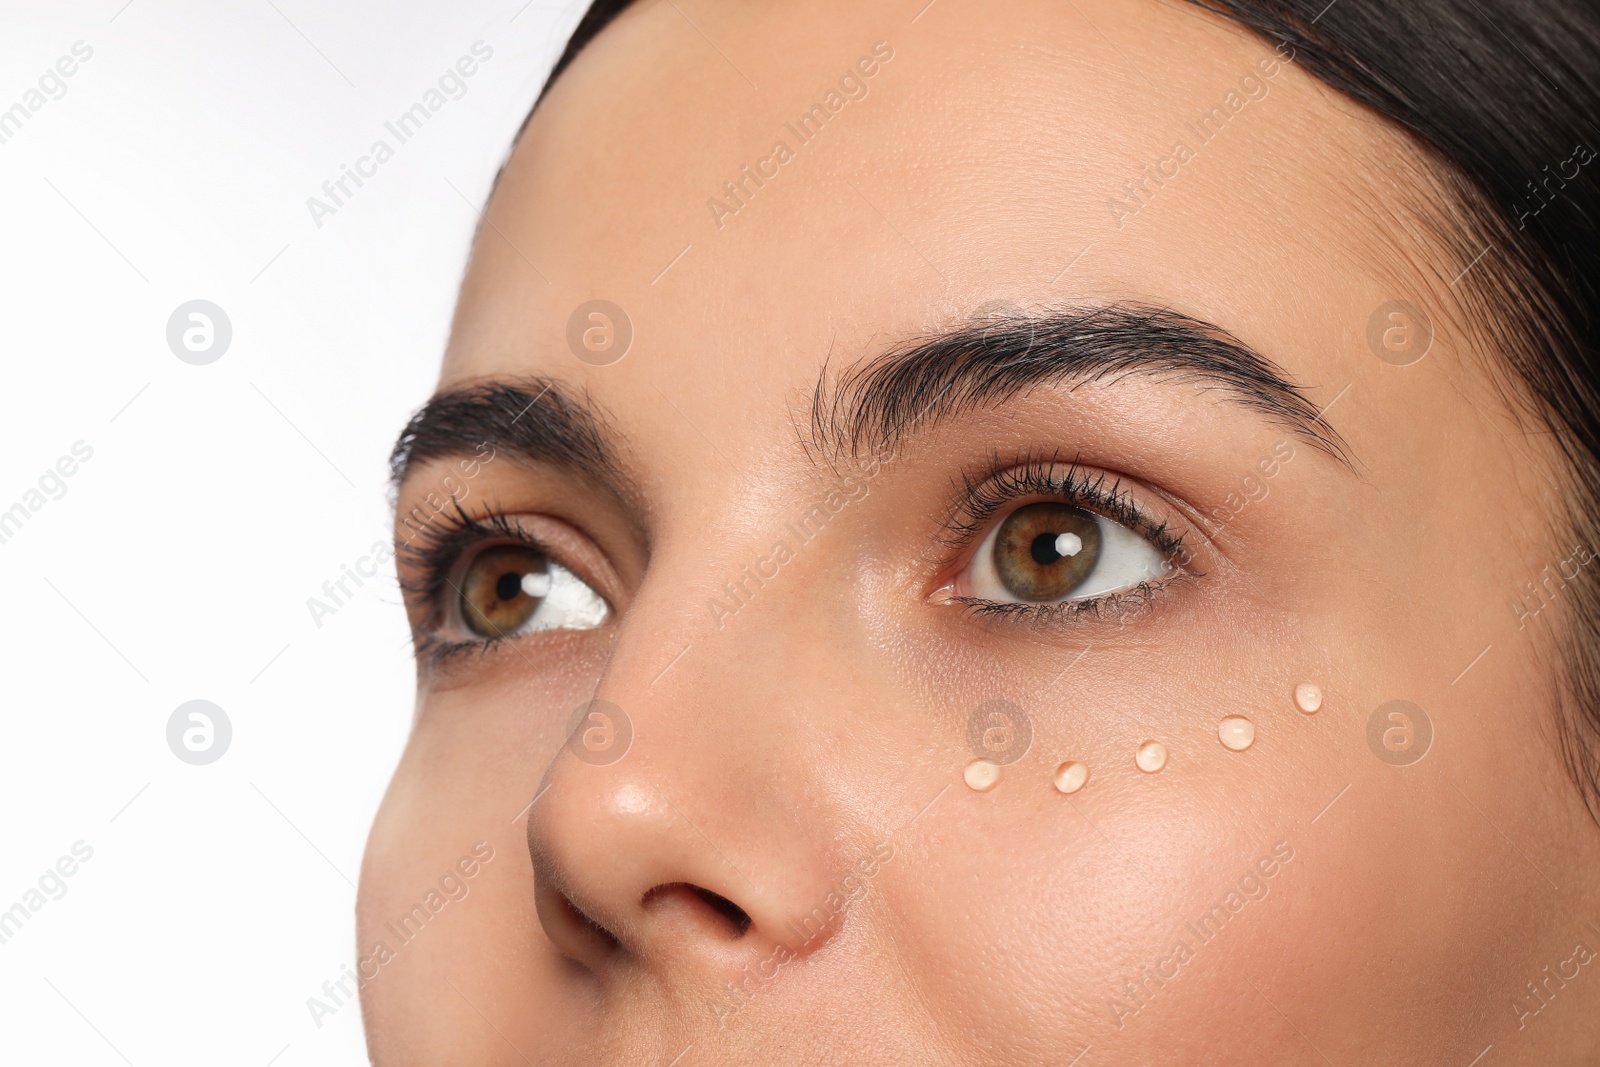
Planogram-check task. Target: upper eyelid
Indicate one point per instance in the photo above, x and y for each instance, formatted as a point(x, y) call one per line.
point(980, 496)
point(980, 499)
point(443, 551)
point(975, 532)
point(469, 534)
point(441, 614)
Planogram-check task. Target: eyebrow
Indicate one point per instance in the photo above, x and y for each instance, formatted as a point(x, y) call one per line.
point(982, 362)
point(533, 419)
point(990, 359)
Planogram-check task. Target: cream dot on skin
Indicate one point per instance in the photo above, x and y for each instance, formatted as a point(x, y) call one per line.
point(1236, 732)
point(982, 775)
point(1068, 544)
point(536, 585)
point(1308, 697)
point(1151, 757)
point(1071, 776)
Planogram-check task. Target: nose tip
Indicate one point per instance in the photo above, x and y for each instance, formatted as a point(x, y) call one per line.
point(626, 877)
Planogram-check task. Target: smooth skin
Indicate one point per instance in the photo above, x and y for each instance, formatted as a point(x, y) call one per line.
point(783, 748)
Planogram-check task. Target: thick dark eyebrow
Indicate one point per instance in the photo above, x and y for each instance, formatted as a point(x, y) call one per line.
point(532, 419)
point(988, 360)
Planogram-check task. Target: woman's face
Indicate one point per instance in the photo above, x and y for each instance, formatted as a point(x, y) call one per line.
point(830, 529)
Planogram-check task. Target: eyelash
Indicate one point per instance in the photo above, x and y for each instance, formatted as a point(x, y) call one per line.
point(1036, 476)
point(444, 541)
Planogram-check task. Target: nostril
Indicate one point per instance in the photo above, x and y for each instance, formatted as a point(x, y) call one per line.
point(726, 910)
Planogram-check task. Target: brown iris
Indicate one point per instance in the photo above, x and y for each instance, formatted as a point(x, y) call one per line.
point(1028, 556)
point(493, 601)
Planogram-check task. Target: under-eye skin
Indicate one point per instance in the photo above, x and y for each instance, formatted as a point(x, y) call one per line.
point(1055, 540)
point(482, 581)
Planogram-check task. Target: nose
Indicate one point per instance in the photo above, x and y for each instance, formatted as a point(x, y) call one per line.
point(698, 853)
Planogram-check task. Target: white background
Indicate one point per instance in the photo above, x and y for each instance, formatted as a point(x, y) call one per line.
point(219, 498)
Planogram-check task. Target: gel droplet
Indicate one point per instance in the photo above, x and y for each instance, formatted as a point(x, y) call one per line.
point(982, 775)
point(1236, 732)
point(1308, 697)
point(1071, 776)
point(1152, 756)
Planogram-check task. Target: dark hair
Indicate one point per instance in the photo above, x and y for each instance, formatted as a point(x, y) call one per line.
point(1498, 94)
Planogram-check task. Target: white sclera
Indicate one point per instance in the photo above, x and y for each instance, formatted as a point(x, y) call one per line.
point(565, 602)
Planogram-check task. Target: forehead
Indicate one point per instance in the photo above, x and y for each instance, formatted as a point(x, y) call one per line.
point(763, 188)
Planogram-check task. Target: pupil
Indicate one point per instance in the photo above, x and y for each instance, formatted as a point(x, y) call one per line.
point(1044, 549)
point(509, 586)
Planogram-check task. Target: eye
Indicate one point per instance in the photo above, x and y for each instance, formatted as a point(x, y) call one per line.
point(511, 589)
point(1052, 551)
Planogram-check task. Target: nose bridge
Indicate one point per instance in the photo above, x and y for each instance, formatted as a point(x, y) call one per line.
point(707, 842)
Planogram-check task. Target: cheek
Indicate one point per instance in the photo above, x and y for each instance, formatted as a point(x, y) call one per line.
point(1087, 896)
point(1081, 894)
point(473, 763)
